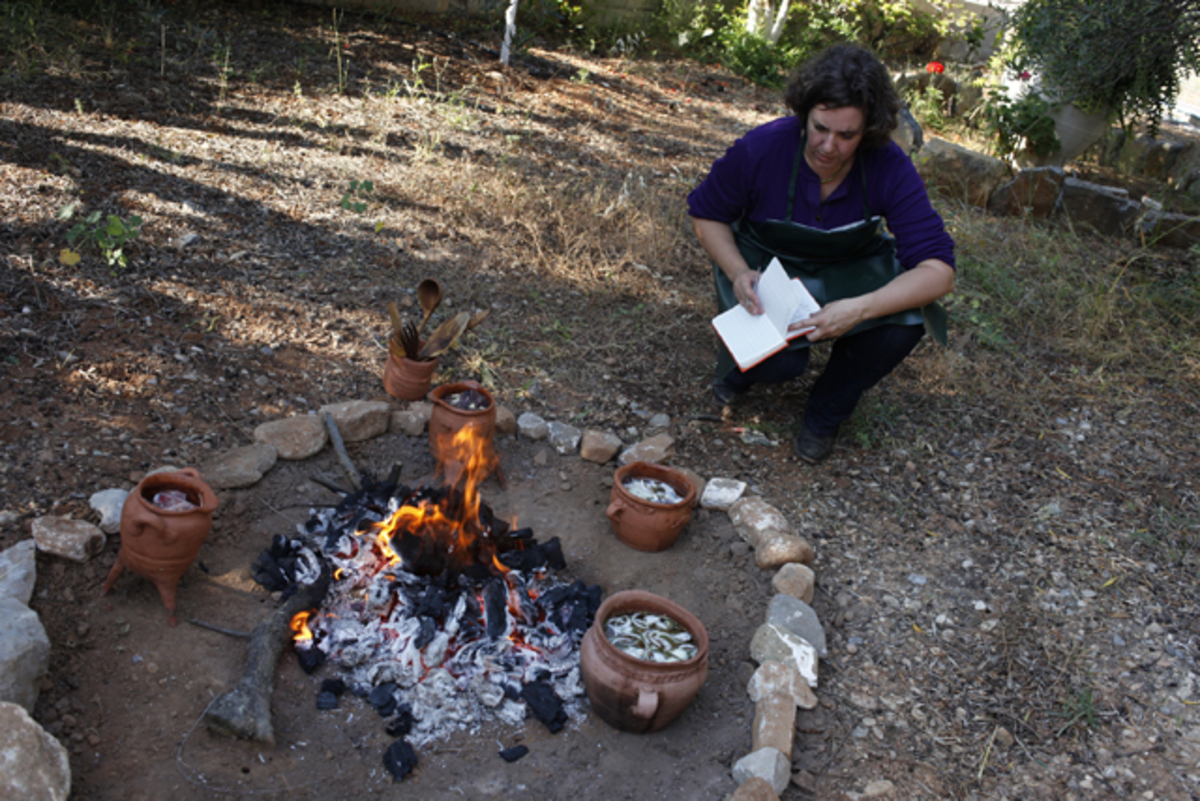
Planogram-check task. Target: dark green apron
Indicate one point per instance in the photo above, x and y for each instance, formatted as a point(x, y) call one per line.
point(845, 263)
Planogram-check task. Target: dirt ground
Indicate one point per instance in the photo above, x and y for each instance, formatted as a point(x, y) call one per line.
point(1006, 542)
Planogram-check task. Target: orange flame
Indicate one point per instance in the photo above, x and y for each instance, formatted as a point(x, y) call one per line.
point(300, 627)
point(465, 458)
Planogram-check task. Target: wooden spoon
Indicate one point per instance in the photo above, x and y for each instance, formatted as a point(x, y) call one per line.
point(445, 335)
point(429, 295)
point(478, 318)
point(394, 313)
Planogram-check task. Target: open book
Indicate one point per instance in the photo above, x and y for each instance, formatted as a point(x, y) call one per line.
point(752, 338)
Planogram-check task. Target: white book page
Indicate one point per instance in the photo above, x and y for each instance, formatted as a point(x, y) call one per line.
point(807, 307)
point(777, 296)
point(749, 337)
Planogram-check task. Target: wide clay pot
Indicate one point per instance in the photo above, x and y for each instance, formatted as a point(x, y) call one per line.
point(646, 525)
point(447, 420)
point(636, 695)
point(161, 544)
point(408, 379)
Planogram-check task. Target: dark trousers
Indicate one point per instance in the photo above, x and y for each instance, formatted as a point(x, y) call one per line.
point(856, 364)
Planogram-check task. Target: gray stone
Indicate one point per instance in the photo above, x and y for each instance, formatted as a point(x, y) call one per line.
point(960, 172)
point(722, 493)
point(908, 134)
point(8, 517)
point(18, 571)
point(563, 437)
point(24, 653)
point(796, 580)
point(35, 765)
point(1104, 208)
point(406, 421)
point(294, 438)
point(109, 504)
point(798, 618)
point(767, 764)
point(776, 549)
point(531, 426)
point(753, 518)
point(1034, 192)
point(240, 467)
point(359, 420)
point(77, 540)
point(773, 643)
point(1171, 230)
point(655, 450)
point(506, 421)
point(773, 678)
point(599, 446)
point(659, 420)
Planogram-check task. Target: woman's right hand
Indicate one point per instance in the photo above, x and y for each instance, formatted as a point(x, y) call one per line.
point(743, 289)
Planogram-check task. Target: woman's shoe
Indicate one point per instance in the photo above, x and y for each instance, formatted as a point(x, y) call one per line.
point(724, 394)
point(811, 448)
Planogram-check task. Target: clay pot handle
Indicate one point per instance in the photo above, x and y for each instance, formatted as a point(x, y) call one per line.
point(615, 510)
point(647, 703)
point(190, 472)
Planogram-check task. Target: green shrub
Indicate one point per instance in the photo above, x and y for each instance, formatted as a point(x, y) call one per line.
point(1016, 123)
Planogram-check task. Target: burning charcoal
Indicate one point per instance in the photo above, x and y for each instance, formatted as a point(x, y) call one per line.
point(427, 633)
point(310, 659)
point(545, 705)
point(514, 753)
point(266, 571)
point(326, 700)
point(402, 724)
point(400, 759)
point(335, 686)
point(552, 548)
point(383, 698)
point(495, 608)
point(432, 602)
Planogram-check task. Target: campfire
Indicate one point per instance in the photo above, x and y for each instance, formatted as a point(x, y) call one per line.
point(440, 615)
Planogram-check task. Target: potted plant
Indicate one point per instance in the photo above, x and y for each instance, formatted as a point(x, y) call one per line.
point(1100, 60)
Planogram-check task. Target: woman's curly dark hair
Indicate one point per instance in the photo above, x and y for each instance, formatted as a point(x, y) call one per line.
point(846, 75)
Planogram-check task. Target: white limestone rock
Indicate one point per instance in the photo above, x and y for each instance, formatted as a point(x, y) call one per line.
point(721, 493)
point(33, 764)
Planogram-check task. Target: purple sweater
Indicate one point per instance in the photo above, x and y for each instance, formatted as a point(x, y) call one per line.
point(751, 179)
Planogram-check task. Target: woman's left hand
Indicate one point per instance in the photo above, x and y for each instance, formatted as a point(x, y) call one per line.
point(833, 320)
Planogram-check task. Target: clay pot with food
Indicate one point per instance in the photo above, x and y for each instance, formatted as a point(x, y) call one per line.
point(465, 404)
point(650, 505)
point(164, 522)
point(635, 694)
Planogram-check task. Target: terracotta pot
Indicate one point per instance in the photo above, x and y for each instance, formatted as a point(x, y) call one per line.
point(445, 421)
point(159, 544)
point(646, 525)
point(633, 694)
point(408, 379)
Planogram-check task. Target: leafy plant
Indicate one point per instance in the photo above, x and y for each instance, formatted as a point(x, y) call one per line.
point(1109, 54)
point(1021, 123)
point(1078, 709)
point(754, 58)
point(357, 199)
point(108, 235)
point(927, 106)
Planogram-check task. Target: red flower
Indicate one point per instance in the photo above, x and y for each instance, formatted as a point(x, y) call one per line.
point(935, 66)
point(1025, 76)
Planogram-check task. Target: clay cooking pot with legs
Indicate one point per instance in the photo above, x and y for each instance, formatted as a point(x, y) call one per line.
point(646, 525)
point(160, 544)
point(636, 695)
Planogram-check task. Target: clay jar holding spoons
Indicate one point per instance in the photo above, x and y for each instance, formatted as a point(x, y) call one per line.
point(643, 524)
point(408, 379)
point(637, 695)
point(160, 542)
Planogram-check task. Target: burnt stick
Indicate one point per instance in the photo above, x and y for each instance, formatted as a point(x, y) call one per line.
point(245, 711)
point(339, 448)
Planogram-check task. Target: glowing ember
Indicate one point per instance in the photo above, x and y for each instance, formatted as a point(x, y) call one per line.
point(300, 627)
